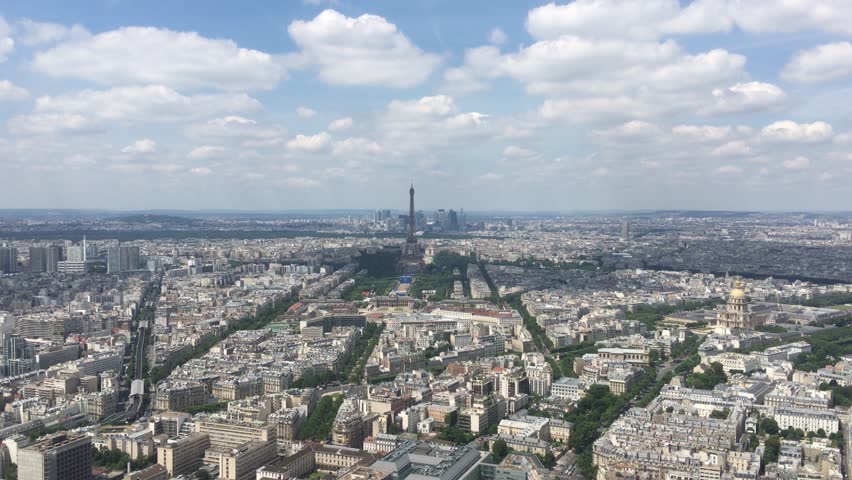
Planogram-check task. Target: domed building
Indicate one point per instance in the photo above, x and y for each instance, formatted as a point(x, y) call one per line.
point(737, 315)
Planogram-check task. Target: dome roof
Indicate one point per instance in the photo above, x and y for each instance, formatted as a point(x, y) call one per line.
point(738, 291)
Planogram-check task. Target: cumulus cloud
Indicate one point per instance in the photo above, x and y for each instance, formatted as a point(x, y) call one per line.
point(356, 146)
point(497, 37)
point(413, 125)
point(745, 97)
point(10, 92)
point(6, 42)
point(790, 131)
point(820, 64)
point(145, 145)
point(305, 112)
point(797, 163)
point(201, 171)
point(32, 33)
point(594, 79)
point(205, 151)
point(363, 51)
point(340, 124)
point(735, 148)
point(49, 123)
point(650, 19)
point(234, 127)
point(729, 170)
point(309, 143)
point(126, 105)
point(146, 55)
point(702, 133)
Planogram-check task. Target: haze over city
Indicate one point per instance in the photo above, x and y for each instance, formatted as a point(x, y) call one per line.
point(659, 104)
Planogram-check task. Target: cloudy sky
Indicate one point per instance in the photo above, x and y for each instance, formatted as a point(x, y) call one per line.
point(594, 104)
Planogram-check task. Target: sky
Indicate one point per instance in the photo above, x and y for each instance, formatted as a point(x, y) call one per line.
point(507, 105)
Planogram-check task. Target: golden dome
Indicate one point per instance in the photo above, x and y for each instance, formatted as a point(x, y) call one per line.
point(738, 291)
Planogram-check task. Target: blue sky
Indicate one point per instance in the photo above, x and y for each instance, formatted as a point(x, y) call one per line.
point(593, 104)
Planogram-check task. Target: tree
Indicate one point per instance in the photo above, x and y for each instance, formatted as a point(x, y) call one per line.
point(549, 460)
point(500, 449)
point(769, 426)
point(820, 433)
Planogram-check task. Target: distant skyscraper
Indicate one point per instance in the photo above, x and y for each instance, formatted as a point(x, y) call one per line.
point(452, 220)
point(51, 260)
point(38, 259)
point(122, 259)
point(625, 230)
point(8, 259)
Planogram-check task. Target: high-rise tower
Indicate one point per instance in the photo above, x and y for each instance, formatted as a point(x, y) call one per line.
point(412, 258)
point(411, 237)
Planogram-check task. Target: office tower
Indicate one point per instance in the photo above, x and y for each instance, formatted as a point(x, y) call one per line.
point(462, 219)
point(38, 259)
point(122, 259)
point(129, 258)
point(75, 253)
point(452, 220)
point(62, 456)
point(19, 356)
point(113, 260)
point(8, 260)
point(625, 230)
point(51, 260)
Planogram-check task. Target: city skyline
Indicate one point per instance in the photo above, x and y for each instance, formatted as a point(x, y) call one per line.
point(534, 106)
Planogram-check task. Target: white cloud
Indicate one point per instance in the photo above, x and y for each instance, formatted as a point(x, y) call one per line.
point(363, 51)
point(413, 125)
point(145, 55)
point(32, 33)
point(305, 112)
point(746, 97)
point(601, 18)
point(201, 171)
point(790, 131)
point(589, 79)
point(730, 149)
point(49, 123)
point(798, 163)
point(650, 19)
point(729, 170)
point(6, 42)
point(235, 127)
point(11, 92)
point(356, 146)
point(309, 143)
point(145, 145)
point(126, 105)
point(702, 133)
point(820, 64)
point(489, 177)
point(340, 124)
point(205, 151)
point(497, 37)
point(633, 130)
